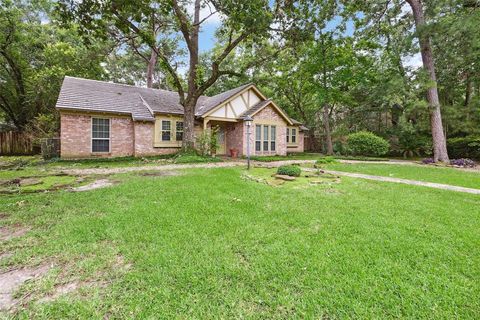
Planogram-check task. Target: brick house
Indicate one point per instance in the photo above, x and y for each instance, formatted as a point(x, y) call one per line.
point(111, 120)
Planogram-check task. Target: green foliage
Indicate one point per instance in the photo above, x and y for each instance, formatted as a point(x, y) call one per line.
point(326, 160)
point(410, 142)
point(207, 142)
point(465, 147)
point(365, 143)
point(289, 170)
point(37, 55)
point(43, 126)
point(193, 158)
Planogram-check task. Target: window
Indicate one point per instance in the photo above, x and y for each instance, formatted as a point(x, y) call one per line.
point(179, 131)
point(291, 136)
point(273, 137)
point(100, 135)
point(265, 138)
point(166, 130)
point(258, 137)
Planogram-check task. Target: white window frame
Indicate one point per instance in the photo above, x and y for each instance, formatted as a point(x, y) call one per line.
point(109, 135)
point(162, 131)
point(262, 138)
point(289, 135)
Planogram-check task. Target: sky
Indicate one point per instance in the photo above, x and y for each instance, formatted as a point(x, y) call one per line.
point(207, 36)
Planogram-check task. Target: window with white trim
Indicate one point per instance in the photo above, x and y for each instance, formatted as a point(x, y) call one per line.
point(265, 138)
point(291, 136)
point(166, 130)
point(273, 137)
point(100, 135)
point(258, 137)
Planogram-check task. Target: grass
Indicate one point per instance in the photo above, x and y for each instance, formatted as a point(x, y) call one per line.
point(311, 156)
point(443, 175)
point(209, 244)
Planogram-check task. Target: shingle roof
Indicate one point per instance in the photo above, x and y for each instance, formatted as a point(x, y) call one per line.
point(141, 103)
point(259, 105)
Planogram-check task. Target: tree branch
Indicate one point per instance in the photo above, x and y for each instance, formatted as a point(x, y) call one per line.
point(163, 58)
point(216, 63)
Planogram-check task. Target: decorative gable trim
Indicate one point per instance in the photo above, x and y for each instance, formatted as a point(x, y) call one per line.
point(233, 97)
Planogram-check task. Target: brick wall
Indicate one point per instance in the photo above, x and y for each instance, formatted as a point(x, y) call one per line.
point(76, 135)
point(143, 132)
point(269, 115)
point(300, 146)
point(235, 137)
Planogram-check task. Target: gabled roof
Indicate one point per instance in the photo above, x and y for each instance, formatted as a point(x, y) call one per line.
point(262, 104)
point(143, 103)
point(100, 96)
point(211, 102)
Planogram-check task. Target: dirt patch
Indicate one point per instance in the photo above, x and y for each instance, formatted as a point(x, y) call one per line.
point(3, 215)
point(5, 255)
point(102, 183)
point(160, 174)
point(10, 233)
point(29, 182)
point(12, 280)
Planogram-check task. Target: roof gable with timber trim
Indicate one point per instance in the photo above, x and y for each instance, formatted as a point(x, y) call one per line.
point(233, 102)
point(262, 105)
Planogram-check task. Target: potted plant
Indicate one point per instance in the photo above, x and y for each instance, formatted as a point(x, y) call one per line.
point(234, 152)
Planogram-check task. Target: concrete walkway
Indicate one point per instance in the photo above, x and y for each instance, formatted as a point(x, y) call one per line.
point(398, 180)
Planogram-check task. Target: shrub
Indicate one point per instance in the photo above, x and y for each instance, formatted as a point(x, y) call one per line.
point(326, 160)
point(293, 171)
point(207, 142)
point(466, 163)
point(464, 147)
point(365, 143)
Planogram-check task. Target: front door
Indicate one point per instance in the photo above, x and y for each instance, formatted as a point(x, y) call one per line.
point(221, 140)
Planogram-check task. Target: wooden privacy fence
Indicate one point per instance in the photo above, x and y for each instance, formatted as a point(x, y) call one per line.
point(15, 143)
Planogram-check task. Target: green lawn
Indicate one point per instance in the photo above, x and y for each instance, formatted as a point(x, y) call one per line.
point(451, 176)
point(210, 244)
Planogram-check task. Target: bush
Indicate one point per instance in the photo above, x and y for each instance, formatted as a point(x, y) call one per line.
point(326, 160)
point(293, 171)
point(465, 147)
point(365, 143)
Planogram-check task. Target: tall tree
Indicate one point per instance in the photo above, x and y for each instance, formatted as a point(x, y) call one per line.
point(439, 142)
point(240, 21)
point(35, 55)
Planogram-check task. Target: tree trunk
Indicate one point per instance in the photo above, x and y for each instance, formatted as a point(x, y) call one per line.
point(468, 91)
point(151, 68)
point(191, 101)
point(326, 126)
point(439, 144)
point(189, 127)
